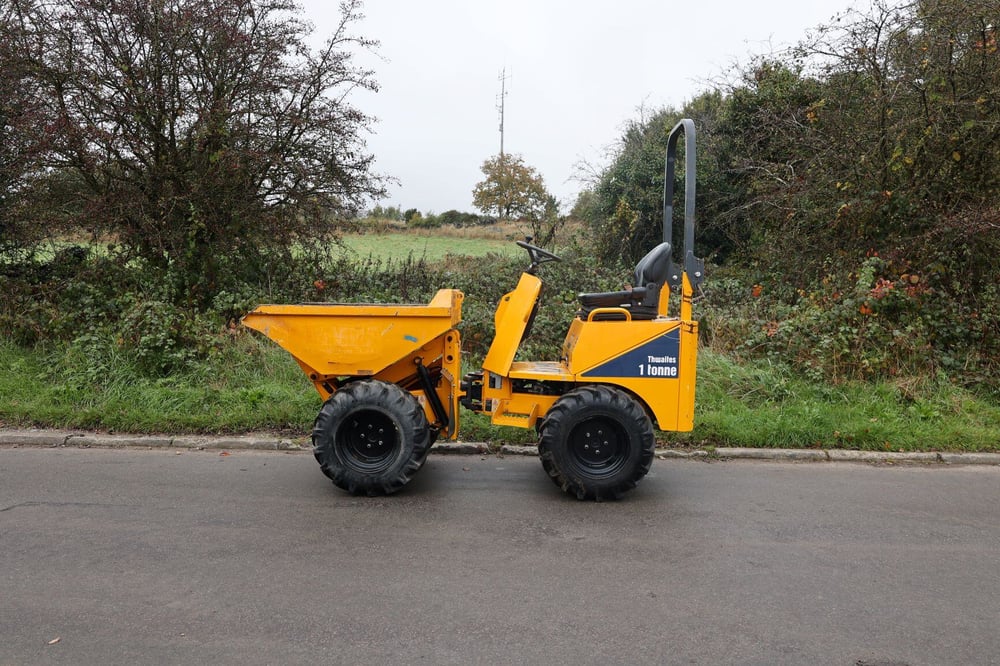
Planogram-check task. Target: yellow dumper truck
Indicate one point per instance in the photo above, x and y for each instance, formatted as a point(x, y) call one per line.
point(391, 378)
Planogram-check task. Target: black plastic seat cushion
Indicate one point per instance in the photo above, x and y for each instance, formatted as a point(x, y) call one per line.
point(643, 300)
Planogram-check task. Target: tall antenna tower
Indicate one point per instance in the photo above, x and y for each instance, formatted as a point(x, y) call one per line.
point(500, 103)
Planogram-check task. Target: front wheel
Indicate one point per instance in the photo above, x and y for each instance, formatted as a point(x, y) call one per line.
point(596, 443)
point(370, 437)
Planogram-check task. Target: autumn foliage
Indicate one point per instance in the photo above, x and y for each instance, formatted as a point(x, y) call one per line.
point(852, 186)
point(200, 135)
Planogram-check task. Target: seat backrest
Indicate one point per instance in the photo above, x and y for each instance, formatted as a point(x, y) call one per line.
point(653, 268)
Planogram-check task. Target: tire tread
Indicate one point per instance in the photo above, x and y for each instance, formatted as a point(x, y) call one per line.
point(415, 436)
point(561, 418)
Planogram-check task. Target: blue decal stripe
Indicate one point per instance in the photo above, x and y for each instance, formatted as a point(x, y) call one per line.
point(656, 358)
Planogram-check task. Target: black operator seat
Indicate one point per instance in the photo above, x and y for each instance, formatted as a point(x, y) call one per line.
point(643, 299)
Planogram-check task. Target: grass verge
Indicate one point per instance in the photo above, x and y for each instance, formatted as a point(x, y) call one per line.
point(764, 405)
point(248, 387)
point(253, 385)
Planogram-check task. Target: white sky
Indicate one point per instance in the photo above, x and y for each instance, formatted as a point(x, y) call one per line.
point(578, 71)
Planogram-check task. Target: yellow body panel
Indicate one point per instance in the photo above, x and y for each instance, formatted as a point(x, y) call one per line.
point(331, 342)
point(352, 340)
point(655, 361)
point(511, 318)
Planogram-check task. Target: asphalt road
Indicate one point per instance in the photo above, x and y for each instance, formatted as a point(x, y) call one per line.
point(133, 557)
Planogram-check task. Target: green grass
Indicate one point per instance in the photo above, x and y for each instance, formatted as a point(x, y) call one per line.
point(253, 385)
point(397, 246)
point(388, 246)
point(766, 406)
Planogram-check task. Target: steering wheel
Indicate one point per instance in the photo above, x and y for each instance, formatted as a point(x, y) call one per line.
point(537, 255)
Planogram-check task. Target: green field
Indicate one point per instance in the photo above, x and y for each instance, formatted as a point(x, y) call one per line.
point(397, 246)
point(392, 246)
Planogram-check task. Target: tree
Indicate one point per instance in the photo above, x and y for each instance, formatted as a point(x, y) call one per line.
point(626, 211)
point(513, 190)
point(203, 132)
point(624, 201)
point(547, 221)
point(881, 129)
point(19, 137)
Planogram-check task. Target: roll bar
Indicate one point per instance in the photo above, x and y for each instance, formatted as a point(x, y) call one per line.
point(694, 267)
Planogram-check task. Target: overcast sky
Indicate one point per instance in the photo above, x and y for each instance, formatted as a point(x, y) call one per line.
point(578, 70)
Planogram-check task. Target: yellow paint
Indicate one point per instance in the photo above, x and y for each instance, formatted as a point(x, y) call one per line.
point(334, 343)
point(511, 319)
point(588, 345)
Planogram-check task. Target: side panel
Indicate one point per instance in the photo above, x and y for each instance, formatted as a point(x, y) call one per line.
point(511, 320)
point(654, 360)
point(355, 340)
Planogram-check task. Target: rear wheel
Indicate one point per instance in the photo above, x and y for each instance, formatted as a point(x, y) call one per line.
point(370, 437)
point(596, 443)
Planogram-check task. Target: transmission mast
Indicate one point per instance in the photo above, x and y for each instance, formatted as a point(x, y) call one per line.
point(500, 104)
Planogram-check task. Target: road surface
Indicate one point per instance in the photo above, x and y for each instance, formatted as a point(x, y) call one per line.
point(125, 557)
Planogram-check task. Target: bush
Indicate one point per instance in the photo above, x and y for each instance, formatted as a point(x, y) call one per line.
point(458, 219)
point(163, 338)
point(391, 213)
point(884, 320)
point(419, 221)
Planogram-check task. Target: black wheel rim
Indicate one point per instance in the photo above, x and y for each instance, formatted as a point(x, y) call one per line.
point(598, 447)
point(368, 441)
